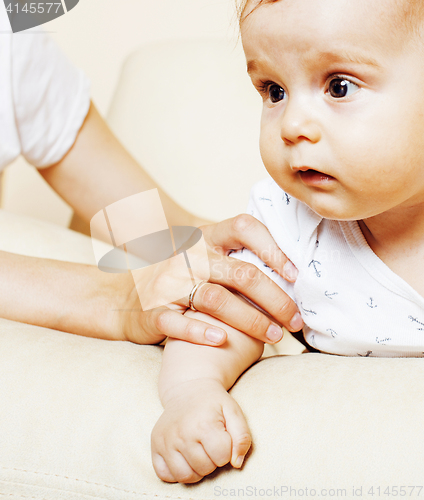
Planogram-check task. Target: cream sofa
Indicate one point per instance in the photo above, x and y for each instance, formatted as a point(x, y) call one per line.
point(76, 413)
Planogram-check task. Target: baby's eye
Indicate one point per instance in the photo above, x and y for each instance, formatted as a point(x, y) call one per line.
point(276, 93)
point(341, 87)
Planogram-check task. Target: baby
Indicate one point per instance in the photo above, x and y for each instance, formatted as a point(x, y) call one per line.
point(342, 136)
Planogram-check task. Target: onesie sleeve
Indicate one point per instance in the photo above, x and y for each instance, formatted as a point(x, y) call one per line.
point(51, 98)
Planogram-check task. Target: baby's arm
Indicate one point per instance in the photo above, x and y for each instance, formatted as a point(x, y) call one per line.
point(202, 427)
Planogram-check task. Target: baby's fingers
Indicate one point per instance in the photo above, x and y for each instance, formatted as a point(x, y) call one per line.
point(240, 435)
point(175, 468)
point(218, 446)
point(198, 459)
point(161, 469)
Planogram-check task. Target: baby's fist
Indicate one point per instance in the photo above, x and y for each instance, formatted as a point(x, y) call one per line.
point(201, 428)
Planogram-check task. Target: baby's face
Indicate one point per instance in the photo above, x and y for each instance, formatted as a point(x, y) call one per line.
point(343, 115)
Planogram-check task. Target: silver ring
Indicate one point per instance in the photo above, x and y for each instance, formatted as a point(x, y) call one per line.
point(193, 293)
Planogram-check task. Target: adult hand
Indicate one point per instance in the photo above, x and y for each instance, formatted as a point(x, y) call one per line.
point(244, 231)
point(214, 298)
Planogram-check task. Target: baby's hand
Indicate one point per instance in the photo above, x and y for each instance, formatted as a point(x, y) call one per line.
point(201, 428)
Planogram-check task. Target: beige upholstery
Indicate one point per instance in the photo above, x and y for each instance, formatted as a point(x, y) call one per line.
point(76, 413)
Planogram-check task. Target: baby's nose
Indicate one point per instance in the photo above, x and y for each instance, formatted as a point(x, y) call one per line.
point(298, 123)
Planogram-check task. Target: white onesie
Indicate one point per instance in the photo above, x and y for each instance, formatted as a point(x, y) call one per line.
point(351, 302)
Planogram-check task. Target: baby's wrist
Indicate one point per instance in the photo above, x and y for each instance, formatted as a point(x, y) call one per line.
point(188, 389)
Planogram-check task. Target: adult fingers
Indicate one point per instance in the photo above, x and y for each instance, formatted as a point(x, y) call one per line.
point(247, 279)
point(164, 322)
point(244, 231)
point(232, 309)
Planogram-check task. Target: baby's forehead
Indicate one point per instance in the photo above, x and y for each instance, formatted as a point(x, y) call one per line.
point(406, 10)
point(377, 25)
point(403, 14)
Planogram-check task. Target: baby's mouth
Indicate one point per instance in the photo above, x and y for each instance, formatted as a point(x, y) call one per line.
point(314, 177)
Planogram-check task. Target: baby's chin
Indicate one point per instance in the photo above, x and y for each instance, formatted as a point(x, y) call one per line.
point(325, 205)
point(328, 204)
point(335, 213)
point(338, 214)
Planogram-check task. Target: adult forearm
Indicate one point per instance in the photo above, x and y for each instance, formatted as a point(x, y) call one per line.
point(98, 171)
point(183, 361)
point(74, 298)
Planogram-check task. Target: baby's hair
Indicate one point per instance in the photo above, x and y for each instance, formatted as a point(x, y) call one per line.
point(241, 5)
point(406, 15)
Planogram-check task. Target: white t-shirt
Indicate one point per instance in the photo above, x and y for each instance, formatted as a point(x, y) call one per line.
point(43, 97)
point(351, 302)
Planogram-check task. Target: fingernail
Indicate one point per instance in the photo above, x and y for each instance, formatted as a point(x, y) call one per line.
point(215, 336)
point(274, 333)
point(296, 322)
point(290, 271)
point(239, 461)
